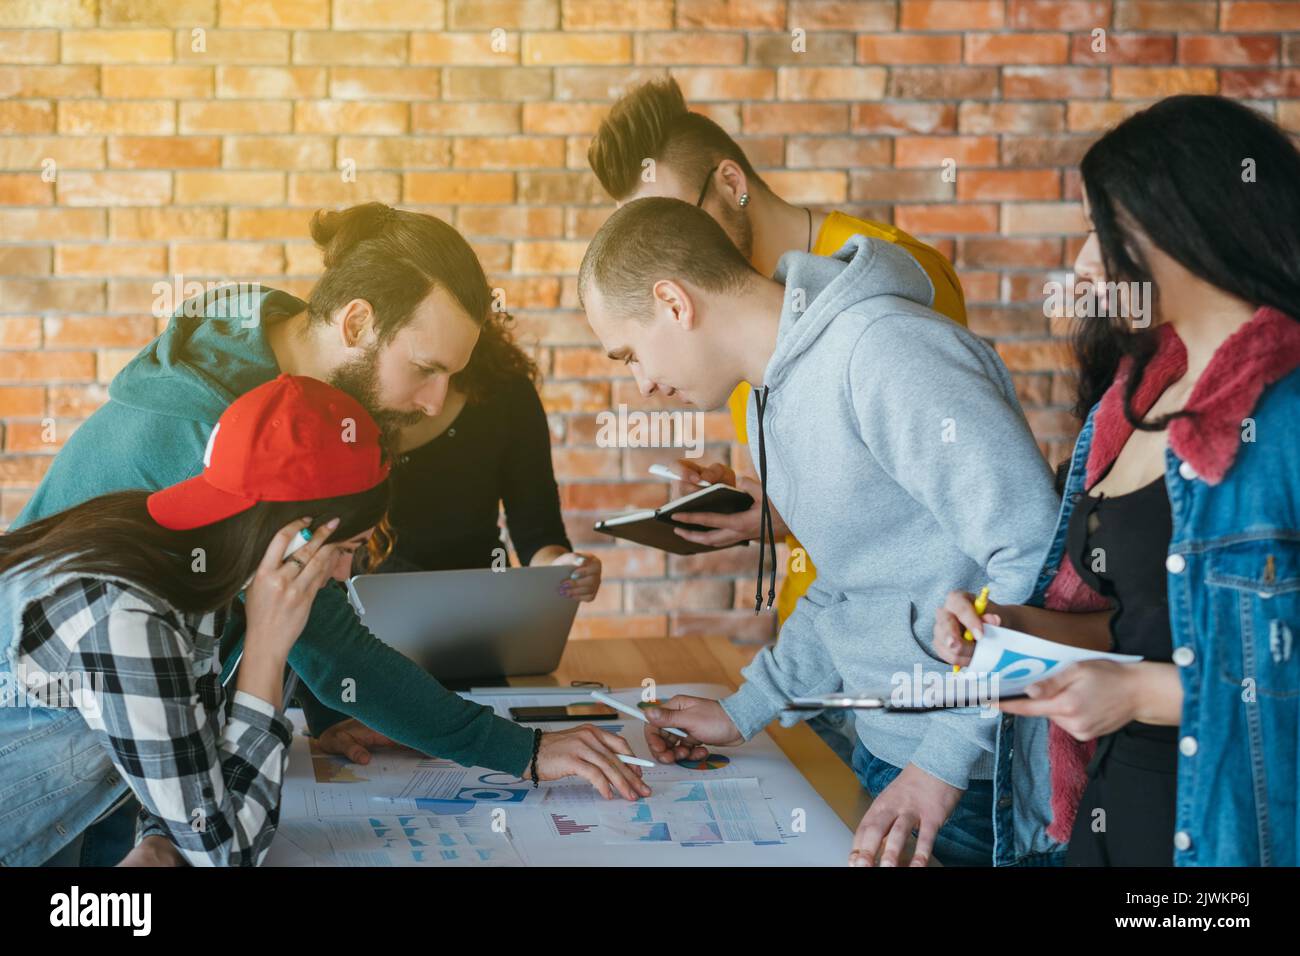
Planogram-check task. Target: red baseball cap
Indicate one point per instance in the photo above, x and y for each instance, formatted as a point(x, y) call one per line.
point(291, 439)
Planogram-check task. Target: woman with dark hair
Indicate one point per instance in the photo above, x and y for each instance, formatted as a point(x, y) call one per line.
point(1179, 533)
point(115, 609)
point(488, 446)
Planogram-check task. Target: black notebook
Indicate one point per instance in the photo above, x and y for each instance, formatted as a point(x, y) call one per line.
point(654, 527)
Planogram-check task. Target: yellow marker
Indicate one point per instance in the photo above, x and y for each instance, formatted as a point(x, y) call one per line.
point(981, 604)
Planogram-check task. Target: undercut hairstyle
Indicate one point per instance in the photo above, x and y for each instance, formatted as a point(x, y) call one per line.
point(653, 122)
point(659, 238)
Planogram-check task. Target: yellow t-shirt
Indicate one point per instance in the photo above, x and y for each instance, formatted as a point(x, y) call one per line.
point(948, 300)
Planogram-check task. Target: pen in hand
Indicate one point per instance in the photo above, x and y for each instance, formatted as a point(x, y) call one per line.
point(981, 605)
point(667, 474)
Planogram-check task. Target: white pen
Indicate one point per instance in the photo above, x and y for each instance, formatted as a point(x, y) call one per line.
point(667, 474)
point(630, 711)
point(635, 761)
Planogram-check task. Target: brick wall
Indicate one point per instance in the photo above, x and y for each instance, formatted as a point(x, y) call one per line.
point(128, 156)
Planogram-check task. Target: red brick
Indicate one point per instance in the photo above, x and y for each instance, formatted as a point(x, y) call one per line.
point(984, 48)
point(1009, 184)
point(1139, 49)
point(949, 15)
point(947, 218)
point(1053, 83)
point(892, 48)
point(1260, 84)
point(1204, 50)
point(1165, 14)
point(928, 151)
point(897, 118)
point(1252, 15)
point(1058, 14)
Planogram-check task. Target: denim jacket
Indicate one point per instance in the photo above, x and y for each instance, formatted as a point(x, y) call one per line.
point(1232, 474)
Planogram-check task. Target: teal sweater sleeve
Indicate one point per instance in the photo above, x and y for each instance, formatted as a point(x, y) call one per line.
point(348, 668)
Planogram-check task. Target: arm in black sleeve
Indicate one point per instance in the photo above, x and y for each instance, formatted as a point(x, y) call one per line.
point(531, 497)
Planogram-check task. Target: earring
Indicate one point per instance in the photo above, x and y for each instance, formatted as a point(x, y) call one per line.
point(744, 199)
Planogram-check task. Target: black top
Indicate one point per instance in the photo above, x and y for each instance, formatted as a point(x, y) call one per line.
point(1126, 539)
point(447, 493)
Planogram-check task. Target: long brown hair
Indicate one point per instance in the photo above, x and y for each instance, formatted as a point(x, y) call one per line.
point(496, 360)
point(195, 571)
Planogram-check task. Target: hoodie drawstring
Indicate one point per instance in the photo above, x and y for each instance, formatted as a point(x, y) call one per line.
point(766, 530)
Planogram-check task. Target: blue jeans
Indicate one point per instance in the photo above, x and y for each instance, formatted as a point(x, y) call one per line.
point(966, 839)
point(836, 728)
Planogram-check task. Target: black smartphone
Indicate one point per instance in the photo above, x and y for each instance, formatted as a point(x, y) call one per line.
point(564, 712)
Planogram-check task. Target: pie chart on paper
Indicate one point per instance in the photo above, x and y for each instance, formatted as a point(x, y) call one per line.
point(711, 762)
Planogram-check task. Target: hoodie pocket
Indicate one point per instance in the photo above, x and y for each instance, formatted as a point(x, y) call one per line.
point(870, 637)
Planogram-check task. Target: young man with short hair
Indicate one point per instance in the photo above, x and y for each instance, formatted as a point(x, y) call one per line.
point(892, 441)
point(693, 159)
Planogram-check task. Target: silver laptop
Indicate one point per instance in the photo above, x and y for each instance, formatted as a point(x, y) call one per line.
point(470, 627)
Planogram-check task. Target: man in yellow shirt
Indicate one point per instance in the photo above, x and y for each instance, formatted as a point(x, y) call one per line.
point(651, 144)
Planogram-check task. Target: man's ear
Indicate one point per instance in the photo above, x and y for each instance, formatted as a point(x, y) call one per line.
point(356, 323)
point(672, 298)
point(733, 181)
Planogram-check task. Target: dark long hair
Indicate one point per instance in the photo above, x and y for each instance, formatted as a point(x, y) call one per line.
point(195, 571)
point(1177, 172)
point(496, 360)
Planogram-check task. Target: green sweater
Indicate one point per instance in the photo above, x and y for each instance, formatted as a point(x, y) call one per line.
point(152, 433)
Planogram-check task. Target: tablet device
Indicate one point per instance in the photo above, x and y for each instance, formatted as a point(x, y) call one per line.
point(653, 527)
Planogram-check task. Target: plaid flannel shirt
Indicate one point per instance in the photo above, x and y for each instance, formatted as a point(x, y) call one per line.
point(207, 775)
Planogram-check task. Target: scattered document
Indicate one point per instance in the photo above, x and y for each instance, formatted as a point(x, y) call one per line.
point(746, 807)
point(1020, 659)
point(693, 813)
point(400, 840)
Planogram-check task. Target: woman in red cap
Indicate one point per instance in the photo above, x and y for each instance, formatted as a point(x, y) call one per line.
point(116, 608)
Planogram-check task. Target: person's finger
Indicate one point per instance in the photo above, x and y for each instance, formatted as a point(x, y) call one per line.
point(714, 519)
point(610, 766)
point(866, 841)
point(965, 613)
point(1054, 685)
point(318, 560)
point(274, 556)
point(373, 738)
point(924, 849)
point(357, 753)
point(713, 539)
point(713, 472)
point(896, 840)
point(312, 548)
point(1023, 707)
point(603, 739)
point(591, 773)
point(613, 742)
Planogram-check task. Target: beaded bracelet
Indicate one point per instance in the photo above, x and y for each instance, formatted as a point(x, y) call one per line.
point(537, 745)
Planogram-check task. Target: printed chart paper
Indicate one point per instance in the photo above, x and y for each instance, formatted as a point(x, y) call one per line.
point(1020, 659)
point(747, 807)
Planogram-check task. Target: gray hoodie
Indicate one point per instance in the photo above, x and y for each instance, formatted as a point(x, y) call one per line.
point(899, 456)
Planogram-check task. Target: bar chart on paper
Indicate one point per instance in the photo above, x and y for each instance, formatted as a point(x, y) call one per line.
point(747, 807)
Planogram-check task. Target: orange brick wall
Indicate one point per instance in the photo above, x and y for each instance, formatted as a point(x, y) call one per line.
point(158, 160)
